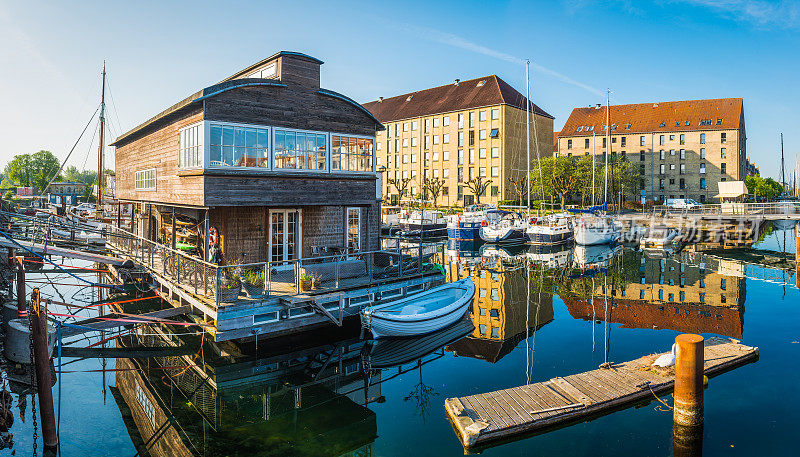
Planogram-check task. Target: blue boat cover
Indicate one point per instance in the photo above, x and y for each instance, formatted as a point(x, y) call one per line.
point(592, 209)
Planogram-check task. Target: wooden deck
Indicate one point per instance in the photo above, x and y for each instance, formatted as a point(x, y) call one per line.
point(503, 414)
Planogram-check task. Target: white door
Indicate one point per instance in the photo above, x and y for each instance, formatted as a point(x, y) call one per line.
point(353, 229)
point(285, 235)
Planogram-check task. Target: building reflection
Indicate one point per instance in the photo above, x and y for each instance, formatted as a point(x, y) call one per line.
point(310, 402)
point(687, 292)
point(506, 308)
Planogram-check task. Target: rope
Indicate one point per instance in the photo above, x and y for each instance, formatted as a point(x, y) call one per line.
point(660, 400)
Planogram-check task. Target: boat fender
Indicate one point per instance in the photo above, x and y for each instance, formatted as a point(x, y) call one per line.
point(483, 223)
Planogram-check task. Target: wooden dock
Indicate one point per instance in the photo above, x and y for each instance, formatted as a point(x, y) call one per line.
point(504, 414)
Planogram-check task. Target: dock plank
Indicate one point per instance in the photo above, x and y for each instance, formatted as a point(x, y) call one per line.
point(482, 418)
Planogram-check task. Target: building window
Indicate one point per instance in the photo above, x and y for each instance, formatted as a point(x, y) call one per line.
point(351, 154)
point(702, 153)
point(672, 137)
point(413, 125)
point(702, 184)
point(353, 229)
point(445, 155)
point(446, 121)
point(426, 125)
point(413, 160)
point(472, 119)
point(702, 138)
point(495, 172)
point(471, 156)
point(482, 153)
point(495, 113)
point(683, 154)
point(723, 153)
point(435, 122)
point(414, 142)
point(494, 133)
point(482, 116)
point(233, 146)
point(661, 140)
point(495, 152)
point(190, 149)
point(682, 184)
point(623, 141)
point(435, 139)
point(723, 137)
point(672, 152)
point(661, 184)
point(683, 138)
point(641, 156)
point(495, 191)
point(604, 142)
point(445, 172)
point(702, 168)
point(641, 140)
point(482, 172)
point(482, 134)
point(435, 156)
point(661, 168)
point(472, 137)
point(405, 142)
point(586, 143)
point(461, 120)
point(661, 154)
point(405, 126)
point(446, 138)
point(460, 156)
point(683, 169)
point(460, 138)
point(723, 168)
point(569, 144)
point(145, 179)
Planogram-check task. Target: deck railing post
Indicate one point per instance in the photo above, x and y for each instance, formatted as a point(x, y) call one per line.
point(337, 272)
point(195, 277)
point(219, 286)
point(268, 276)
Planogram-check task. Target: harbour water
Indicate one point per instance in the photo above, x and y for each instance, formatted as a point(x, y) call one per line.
point(536, 316)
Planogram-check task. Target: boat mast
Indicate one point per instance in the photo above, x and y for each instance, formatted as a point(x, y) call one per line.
point(100, 151)
point(594, 159)
point(528, 135)
point(608, 144)
point(783, 169)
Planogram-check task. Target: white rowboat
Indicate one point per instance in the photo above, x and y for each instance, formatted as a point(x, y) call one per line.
point(420, 313)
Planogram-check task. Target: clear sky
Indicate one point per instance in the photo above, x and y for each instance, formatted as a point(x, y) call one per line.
point(160, 52)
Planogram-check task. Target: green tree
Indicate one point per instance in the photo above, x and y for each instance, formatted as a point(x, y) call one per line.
point(34, 170)
point(623, 173)
point(558, 178)
point(72, 174)
point(762, 188)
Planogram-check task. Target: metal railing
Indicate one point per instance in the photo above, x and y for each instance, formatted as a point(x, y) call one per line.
point(772, 208)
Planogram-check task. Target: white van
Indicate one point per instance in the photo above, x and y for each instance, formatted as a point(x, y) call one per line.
point(682, 203)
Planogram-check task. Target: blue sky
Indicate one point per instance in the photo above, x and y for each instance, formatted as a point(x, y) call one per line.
point(159, 52)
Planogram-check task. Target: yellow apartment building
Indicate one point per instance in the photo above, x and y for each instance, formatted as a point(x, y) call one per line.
point(456, 133)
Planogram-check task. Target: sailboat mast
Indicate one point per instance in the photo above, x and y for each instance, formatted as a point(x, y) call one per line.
point(528, 133)
point(783, 169)
point(608, 143)
point(100, 151)
point(594, 159)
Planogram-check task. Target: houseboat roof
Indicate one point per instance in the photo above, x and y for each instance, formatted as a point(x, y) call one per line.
point(232, 82)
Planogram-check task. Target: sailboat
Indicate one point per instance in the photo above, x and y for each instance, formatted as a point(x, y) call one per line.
point(594, 226)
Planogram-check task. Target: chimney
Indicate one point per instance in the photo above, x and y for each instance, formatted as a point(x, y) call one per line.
point(597, 107)
point(380, 99)
point(457, 81)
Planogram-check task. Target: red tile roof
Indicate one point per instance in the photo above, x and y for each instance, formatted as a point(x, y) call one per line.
point(555, 141)
point(450, 97)
point(723, 114)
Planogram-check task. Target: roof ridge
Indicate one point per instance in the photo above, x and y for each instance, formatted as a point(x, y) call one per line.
point(431, 88)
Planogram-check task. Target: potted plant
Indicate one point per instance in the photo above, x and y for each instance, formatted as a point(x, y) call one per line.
point(230, 287)
point(307, 282)
point(253, 282)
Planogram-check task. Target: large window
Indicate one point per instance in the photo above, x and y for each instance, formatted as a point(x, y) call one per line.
point(235, 146)
point(146, 179)
point(353, 229)
point(300, 150)
point(351, 154)
point(190, 147)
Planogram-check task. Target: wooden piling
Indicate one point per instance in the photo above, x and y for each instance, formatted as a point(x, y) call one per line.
point(22, 303)
point(41, 359)
point(689, 360)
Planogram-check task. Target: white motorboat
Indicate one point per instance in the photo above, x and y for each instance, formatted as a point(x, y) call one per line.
point(593, 230)
point(503, 227)
point(424, 223)
point(553, 229)
point(420, 313)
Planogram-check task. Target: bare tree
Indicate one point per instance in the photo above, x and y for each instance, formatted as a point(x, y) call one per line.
point(478, 187)
point(433, 187)
point(520, 186)
point(400, 184)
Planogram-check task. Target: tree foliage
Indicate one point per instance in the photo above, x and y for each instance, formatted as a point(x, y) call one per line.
point(34, 170)
point(564, 177)
point(763, 188)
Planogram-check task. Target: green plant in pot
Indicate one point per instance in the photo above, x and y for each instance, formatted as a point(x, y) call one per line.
point(308, 281)
point(231, 286)
point(254, 283)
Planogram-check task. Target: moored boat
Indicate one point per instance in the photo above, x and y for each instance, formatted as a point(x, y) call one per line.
point(420, 313)
point(467, 226)
point(390, 352)
point(425, 223)
point(503, 227)
point(594, 230)
point(553, 229)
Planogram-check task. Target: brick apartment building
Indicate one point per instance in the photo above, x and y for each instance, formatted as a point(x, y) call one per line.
point(683, 148)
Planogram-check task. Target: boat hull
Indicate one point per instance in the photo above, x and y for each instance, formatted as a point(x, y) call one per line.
point(385, 324)
point(465, 231)
point(549, 236)
point(507, 235)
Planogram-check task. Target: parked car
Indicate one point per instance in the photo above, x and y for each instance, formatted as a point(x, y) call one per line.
point(682, 203)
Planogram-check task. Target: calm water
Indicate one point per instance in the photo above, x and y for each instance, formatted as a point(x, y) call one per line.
point(333, 396)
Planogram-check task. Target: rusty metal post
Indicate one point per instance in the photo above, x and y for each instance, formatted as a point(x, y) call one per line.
point(687, 441)
point(41, 358)
point(797, 253)
point(689, 358)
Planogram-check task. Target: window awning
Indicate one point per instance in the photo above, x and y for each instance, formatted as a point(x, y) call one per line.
point(731, 189)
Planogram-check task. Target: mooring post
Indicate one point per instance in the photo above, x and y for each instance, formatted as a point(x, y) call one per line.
point(687, 441)
point(797, 253)
point(689, 358)
point(41, 359)
point(22, 303)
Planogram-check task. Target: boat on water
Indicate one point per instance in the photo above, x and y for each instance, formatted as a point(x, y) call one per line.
point(391, 352)
point(467, 225)
point(594, 230)
point(420, 313)
point(503, 227)
point(425, 223)
point(551, 229)
point(390, 219)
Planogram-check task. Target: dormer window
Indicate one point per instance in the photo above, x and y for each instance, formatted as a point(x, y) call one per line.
point(719, 121)
point(627, 126)
point(590, 128)
point(688, 123)
point(662, 124)
point(409, 98)
point(579, 129)
point(481, 82)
